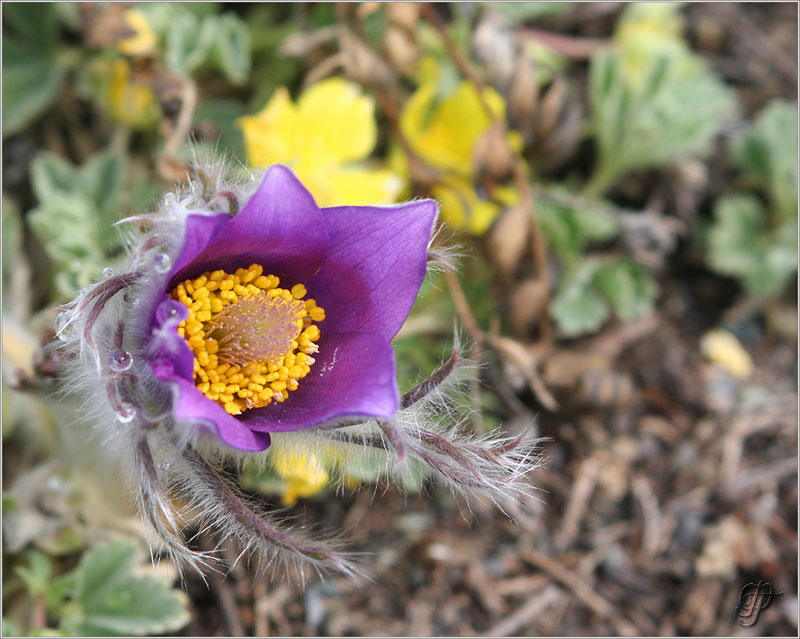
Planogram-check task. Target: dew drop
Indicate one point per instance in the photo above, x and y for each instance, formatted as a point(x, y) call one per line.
point(255, 176)
point(126, 412)
point(135, 301)
point(170, 198)
point(108, 272)
point(163, 465)
point(120, 360)
point(62, 327)
point(162, 262)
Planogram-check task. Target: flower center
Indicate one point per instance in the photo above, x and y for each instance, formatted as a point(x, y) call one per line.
point(252, 341)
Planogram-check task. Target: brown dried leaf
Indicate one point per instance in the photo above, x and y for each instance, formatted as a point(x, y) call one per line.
point(492, 157)
point(515, 353)
point(508, 238)
point(403, 14)
point(400, 49)
point(528, 301)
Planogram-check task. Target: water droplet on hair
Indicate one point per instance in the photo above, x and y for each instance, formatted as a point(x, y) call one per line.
point(170, 198)
point(162, 262)
point(62, 327)
point(120, 360)
point(135, 301)
point(255, 176)
point(163, 465)
point(108, 272)
point(126, 412)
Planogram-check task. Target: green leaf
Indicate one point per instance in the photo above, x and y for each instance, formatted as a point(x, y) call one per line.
point(37, 574)
point(629, 287)
point(189, 42)
point(577, 307)
point(768, 150)
point(35, 22)
point(67, 228)
point(231, 49)
point(101, 181)
point(52, 176)
point(741, 244)
point(12, 238)
point(665, 108)
point(31, 81)
point(109, 600)
point(518, 13)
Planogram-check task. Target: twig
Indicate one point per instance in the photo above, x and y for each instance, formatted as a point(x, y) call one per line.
point(582, 591)
point(582, 490)
point(570, 46)
point(525, 614)
point(651, 538)
point(227, 599)
point(182, 126)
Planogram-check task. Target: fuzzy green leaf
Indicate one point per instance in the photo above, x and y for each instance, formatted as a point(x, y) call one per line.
point(629, 287)
point(110, 601)
point(577, 306)
point(231, 49)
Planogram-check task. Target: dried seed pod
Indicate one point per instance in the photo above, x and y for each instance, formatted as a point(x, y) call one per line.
point(527, 301)
point(507, 239)
point(548, 115)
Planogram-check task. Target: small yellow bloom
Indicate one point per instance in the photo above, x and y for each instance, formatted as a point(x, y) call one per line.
point(143, 42)
point(302, 472)
point(724, 349)
point(323, 138)
point(444, 133)
point(646, 32)
point(131, 103)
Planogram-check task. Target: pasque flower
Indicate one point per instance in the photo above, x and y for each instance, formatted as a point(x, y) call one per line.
point(246, 313)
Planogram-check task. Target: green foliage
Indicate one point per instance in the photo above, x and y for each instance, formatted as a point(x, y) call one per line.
point(199, 39)
point(32, 75)
point(518, 13)
point(754, 243)
point(590, 290)
point(651, 108)
point(742, 244)
point(767, 151)
point(568, 229)
point(102, 596)
point(76, 211)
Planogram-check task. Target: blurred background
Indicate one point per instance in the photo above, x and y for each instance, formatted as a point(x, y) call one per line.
point(620, 183)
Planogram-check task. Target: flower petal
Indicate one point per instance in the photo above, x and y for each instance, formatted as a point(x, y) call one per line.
point(192, 406)
point(280, 228)
point(354, 376)
point(338, 121)
point(374, 267)
point(272, 135)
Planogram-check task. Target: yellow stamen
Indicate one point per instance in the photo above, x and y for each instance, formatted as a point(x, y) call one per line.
point(252, 341)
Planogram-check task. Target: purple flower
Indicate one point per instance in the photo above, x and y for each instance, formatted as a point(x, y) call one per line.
point(363, 265)
point(245, 315)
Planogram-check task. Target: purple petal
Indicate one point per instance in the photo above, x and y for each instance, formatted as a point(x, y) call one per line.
point(374, 266)
point(166, 348)
point(192, 406)
point(280, 227)
point(354, 376)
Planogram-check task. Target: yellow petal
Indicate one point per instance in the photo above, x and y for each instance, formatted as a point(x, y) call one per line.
point(724, 349)
point(143, 42)
point(338, 121)
point(363, 187)
point(463, 209)
point(444, 133)
point(271, 136)
point(132, 104)
point(303, 472)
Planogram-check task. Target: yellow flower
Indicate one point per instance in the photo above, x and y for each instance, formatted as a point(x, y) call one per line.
point(444, 133)
point(323, 138)
point(143, 42)
point(462, 208)
point(303, 474)
point(646, 32)
point(131, 103)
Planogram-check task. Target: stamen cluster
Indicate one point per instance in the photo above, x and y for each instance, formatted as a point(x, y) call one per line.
point(253, 341)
